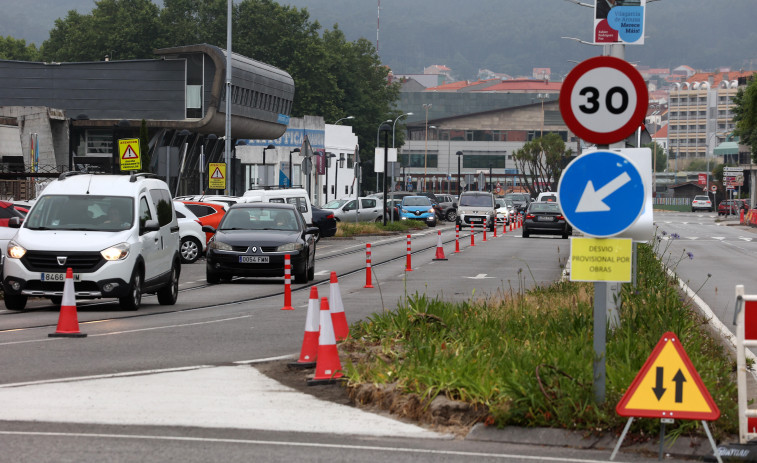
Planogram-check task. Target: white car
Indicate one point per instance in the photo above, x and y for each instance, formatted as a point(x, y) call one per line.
point(700, 203)
point(192, 239)
point(504, 212)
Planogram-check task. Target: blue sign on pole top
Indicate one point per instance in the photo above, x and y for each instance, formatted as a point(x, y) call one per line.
point(601, 193)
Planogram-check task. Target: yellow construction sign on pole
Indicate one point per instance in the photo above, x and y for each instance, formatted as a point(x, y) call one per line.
point(128, 152)
point(600, 259)
point(217, 176)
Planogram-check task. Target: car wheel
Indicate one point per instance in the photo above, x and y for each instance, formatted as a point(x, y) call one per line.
point(379, 220)
point(311, 270)
point(190, 250)
point(565, 236)
point(212, 277)
point(15, 302)
point(168, 294)
point(451, 215)
point(302, 277)
point(134, 298)
point(525, 234)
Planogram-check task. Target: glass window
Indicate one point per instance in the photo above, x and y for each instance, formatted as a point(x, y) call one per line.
point(162, 201)
point(368, 203)
point(144, 211)
point(82, 212)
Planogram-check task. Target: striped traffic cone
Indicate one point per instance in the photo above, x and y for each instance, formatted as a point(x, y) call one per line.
point(68, 322)
point(338, 317)
point(439, 248)
point(309, 349)
point(287, 283)
point(328, 367)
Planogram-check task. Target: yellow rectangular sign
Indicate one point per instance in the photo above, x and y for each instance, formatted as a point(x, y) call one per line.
point(217, 176)
point(600, 259)
point(128, 152)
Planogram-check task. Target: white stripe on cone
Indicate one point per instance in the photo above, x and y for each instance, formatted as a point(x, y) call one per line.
point(338, 317)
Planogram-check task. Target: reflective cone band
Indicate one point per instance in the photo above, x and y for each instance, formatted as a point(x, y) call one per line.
point(439, 248)
point(338, 317)
point(68, 322)
point(309, 349)
point(328, 366)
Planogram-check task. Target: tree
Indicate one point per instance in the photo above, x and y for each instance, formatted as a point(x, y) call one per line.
point(541, 161)
point(745, 115)
point(659, 158)
point(17, 49)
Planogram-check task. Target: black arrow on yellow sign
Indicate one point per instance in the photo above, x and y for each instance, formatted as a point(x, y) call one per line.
point(658, 389)
point(679, 379)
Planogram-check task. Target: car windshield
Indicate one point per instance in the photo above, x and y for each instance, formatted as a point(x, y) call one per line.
point(334, 204)
point(500, 201)
point(259, 218)
point(476, 200)
point(81, 213)
point(416, 201)
point(517, 197)
point(544, 207)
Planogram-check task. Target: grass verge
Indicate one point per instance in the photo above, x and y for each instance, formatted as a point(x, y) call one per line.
point(347, 229)
point(525, 356)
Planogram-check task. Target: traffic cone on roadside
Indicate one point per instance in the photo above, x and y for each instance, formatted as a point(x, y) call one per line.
point(338, 317)
point(328, 366)
point(68, 323)
point(309, 349)
point(439, 248)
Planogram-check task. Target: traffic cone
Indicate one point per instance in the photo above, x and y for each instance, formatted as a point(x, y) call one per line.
point(504, 225)
point(368, 278)
point(457, 238)
point(328, 366)
point(68, 323)
point(309, 349)
point(409, 259)
point(338, 317)
point(439, 248)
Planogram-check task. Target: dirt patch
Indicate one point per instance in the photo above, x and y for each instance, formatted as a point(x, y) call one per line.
point(440, 414)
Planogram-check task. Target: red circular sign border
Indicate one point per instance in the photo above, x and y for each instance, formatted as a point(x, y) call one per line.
point(639, 114)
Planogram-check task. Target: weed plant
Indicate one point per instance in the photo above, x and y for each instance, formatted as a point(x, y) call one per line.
point(347, 229)
point(527, 355)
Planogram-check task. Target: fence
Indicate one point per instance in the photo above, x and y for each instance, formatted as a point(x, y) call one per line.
point(19, 183)
point(672, 201)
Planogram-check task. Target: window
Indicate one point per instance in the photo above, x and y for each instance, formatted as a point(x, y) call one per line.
point(144, 212)
point(162, 201)
point(367, 203)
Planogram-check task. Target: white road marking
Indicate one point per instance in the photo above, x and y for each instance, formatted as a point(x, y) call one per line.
point(480, 276)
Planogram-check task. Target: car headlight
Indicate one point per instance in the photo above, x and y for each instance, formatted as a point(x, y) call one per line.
point(219, 246)
point(117, 252)
point(290, 247)
point(431, 210)
point(15, 250)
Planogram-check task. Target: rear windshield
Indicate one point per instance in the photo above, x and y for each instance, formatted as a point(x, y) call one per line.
point(701, 198)
point(517, 196)
point(544, 207)
point(476, 200)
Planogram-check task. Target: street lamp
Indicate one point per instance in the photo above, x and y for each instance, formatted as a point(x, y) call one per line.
point(344, 118)
point(426, 106)
point(265, 174)
point(291, 180)
point(459, 157)
point(395, 122)
point(707, 155)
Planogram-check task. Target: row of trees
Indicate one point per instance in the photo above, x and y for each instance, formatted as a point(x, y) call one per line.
point(333, 77)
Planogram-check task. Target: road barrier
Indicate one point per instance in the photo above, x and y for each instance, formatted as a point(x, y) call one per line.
point(68, 322)
point(409, 266)
point(439, 248)
point(287, 283)
point(457, 238)
point(327, 366)
point(368, 278)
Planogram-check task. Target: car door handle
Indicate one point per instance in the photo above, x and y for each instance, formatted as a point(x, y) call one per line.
point(175, 229)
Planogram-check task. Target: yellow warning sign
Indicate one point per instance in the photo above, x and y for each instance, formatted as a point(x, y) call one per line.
point(668, 386)
point(600, 259)
point(128, 152)
point(217, 176)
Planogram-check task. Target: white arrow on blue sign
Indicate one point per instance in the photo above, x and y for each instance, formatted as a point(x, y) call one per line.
point(601, 193)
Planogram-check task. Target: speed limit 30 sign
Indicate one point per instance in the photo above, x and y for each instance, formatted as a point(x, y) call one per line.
point(603, 100)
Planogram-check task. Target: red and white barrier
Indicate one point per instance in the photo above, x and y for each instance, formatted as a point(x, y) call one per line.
point(328, 366)
point(368, 278)
point(338, 318)
point(409, 266)
point(309, 349)
point(287, 283)
point(457, 238)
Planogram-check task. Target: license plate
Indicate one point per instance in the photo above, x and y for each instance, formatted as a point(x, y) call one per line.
point(253, 259)
point(57, 277)
point(545, 219)
point(476, 220)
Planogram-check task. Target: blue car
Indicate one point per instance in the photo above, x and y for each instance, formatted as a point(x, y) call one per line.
point(417, 208)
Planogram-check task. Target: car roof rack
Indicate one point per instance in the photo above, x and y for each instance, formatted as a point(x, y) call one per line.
point(70, 173)
point(135, 175)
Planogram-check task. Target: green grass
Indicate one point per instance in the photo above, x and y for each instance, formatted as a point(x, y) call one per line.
point(672, 207)
point(527, 355)
point(346, 229)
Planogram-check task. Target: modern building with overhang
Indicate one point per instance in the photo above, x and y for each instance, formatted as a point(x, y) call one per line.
point(68, 116)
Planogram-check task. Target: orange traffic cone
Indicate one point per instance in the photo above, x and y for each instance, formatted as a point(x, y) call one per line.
point(338, 318)
point(309, 349)
point(68, 323)
point(328, 366)
point(439, 248)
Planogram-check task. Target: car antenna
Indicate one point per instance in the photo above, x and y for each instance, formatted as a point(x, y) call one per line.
point(89, 183)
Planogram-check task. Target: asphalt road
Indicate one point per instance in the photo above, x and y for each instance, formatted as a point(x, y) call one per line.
point(174, 383)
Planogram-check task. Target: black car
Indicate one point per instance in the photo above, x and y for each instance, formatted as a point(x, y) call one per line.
point(325, 221)
point(521, 200)
point(544, 218)
point(253, 239)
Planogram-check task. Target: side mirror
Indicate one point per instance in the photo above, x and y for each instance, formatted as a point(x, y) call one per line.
point(14, 222)
point(496, 206)
point(208, 229)
point(150, 226)
point(454, 204)
point(312, 230)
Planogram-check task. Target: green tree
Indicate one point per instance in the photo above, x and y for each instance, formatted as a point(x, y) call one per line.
point(659, 158)
point(17, 49)
point(144, 148)
point(745, 115)
point(542, 160)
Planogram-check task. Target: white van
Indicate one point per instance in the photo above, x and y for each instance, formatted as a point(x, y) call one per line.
point(118, 233)
point(547, 197)
point(297, 196)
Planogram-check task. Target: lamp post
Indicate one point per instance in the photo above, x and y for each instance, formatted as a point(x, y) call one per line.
point(201, 160)
point(327, 160)
point(291, 180)
point(707, 155)
point(122, 124)
point(459, 157)
point(395, 122)
point(265, 173)
point(344, 118)
point(491, 185)
point(426, 106)
point(184, 134)
point(377, 145)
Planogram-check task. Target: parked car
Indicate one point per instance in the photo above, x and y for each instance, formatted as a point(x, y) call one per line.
point(504, 213)
point(547, 197)
point(477, 208)
point(208, 214)
point(345, 211)
point(728, 207)
point(253, 239)
point(701, 203)
point(297, 196)
point(223, 199)
point(545, 218)
point(446, 207)
point(393, 203)
point(417, 208)
point(521, 200)
point(8, 210)
point(743, 204)
point(192, 242)
point(325, 221)
point(118, 233)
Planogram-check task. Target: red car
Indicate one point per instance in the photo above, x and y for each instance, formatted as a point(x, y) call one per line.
point(208, 214)
point(7, 210)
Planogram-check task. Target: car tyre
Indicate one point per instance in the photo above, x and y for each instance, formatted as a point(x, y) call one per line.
point(15, 301)
point(212, 277)
point(133, 300)
point(190, 250)
point(168, 294)
point(565, 236)
point(302, 277)
point(311, 270)
point(525, 234)
point(451, 215)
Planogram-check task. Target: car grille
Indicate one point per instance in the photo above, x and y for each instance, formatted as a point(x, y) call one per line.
point(36, 285)
point(47, 261)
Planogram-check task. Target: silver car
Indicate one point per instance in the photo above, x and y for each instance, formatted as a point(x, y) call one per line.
point(345, 210)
